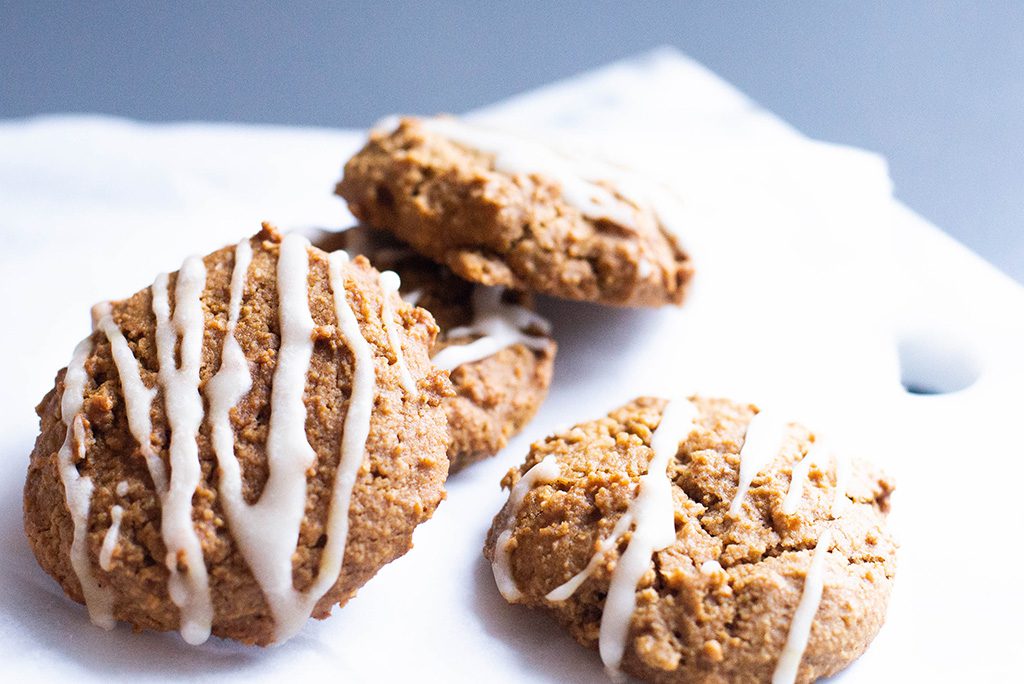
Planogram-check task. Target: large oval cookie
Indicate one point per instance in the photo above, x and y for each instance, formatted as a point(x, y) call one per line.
point(500, 210)
point(241, 445)
point(699, 541)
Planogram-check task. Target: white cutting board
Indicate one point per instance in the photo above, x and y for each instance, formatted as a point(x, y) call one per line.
point(813, 288)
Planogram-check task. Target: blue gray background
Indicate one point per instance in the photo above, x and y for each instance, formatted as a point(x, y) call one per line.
point(937, 87)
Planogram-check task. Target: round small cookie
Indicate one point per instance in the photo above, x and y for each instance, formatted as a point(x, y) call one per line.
point(502, 380)
point(501, 210)
point(699, 541)
point(240, 446)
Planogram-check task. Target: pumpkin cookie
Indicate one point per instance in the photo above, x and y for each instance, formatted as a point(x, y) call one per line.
point(699, 540)
point(240, 446)
point(500, 210)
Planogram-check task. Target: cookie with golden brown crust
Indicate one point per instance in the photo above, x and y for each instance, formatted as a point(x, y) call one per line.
point(500, 210)
point(495, 395)
point(177, 476)
point(717, 599)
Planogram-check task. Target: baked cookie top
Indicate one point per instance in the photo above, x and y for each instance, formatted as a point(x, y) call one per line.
point(499, 352)
point(241, 445)
point(500, 210)
point(700, 540)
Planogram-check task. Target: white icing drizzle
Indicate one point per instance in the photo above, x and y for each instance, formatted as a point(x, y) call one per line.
point(800, 627)
point(763, 440)
point(138, 399)
point(711, 567)
point(390, 283)
point(499, 324)
point(653, 513)
point(544, 471)
point(353, 439)
point(797, 479)
point(644, 268)
point(223, 392)
point(78, 427)
point(188, 584)
point(267, 531)
point(519, 156)
point(652, 516)
point(502, 567)
point(110, 538)
point(799, 476)
point(122, 488)
point(99, 600)
point(567, 589)
point(842, 476)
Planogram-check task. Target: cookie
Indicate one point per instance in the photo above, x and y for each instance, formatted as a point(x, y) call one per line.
point(499, 352)
point(500, 210)
point(700, 540)
point(239, 446)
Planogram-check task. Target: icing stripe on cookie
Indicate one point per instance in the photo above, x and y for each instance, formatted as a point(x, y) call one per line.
point(543, 472)
point(566, 590)
point(138, 399)
point(355, 432)
point(797, 479)
point(254, 528)
point(110, 538)
point(762, 443)
point(652, 515)
point(519, 156)
point(226, 388)
point(800, 627)
point(498, 324)
point(267, 532)
point(390, 283)
point(78, 488)
point(653, 512)
point(188, 584)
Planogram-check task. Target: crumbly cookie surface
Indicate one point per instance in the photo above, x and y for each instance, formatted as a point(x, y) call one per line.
point(494, 396)
point(397, 486)
point(454, 204)
point(717, 604)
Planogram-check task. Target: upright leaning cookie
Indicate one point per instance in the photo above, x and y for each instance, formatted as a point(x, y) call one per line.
point(699, 540)
point(499, 352)
point(239, 446)
point(500, 210)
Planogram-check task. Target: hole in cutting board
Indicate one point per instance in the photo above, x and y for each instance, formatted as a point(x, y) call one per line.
point(937, 362)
